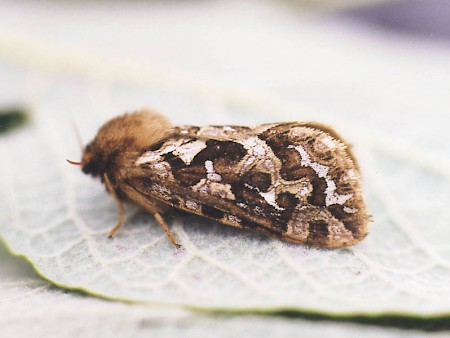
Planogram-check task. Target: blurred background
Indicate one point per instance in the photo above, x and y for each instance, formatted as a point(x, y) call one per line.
point(376, 67)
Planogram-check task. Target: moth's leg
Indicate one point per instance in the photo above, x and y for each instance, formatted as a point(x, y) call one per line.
point(163, 224)
point(152, 208)
point(119, 206)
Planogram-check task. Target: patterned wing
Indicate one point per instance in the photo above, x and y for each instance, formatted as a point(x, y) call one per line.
point(292, 181)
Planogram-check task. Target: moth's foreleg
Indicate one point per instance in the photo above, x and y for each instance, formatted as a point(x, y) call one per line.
point(119, 206)
point(119, 222)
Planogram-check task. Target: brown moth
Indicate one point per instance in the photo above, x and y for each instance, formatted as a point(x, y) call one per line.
point(297, 182)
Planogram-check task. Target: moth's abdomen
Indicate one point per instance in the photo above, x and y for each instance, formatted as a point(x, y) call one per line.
point(293, 181)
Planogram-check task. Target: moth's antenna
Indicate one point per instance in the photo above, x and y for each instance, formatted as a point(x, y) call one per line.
point(80, 142)
point(74, 163)
point(77, 133)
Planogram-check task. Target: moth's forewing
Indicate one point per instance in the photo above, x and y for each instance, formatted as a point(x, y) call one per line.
point(293, 181)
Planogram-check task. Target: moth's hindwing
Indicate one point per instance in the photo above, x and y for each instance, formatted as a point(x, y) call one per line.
point(294, 181)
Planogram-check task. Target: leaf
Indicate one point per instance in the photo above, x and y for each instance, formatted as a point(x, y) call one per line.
point(31, 306)
point(58, 218)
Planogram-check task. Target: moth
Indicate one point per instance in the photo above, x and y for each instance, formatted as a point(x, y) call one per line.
point(298, 182)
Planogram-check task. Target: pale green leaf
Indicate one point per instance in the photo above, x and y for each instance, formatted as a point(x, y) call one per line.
point(59, 218)
point(30, 306)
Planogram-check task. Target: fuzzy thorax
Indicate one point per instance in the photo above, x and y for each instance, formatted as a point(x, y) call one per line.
point(122, 139)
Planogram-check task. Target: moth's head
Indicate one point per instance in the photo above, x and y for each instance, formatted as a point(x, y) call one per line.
point(120, 139)
point(91, 161)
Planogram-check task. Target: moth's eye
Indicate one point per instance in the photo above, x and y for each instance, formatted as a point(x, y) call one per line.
point(92, 167)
